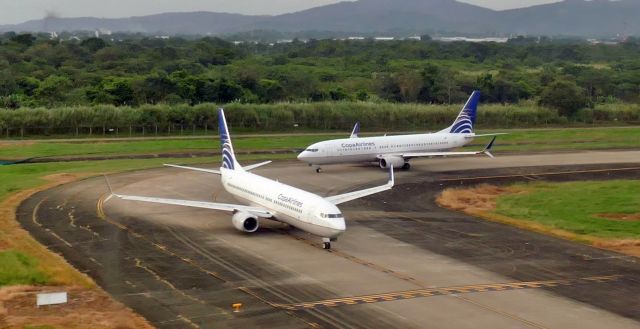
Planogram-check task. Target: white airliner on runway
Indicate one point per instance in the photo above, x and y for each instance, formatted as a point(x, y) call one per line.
point(270, 199)
point(396, 151)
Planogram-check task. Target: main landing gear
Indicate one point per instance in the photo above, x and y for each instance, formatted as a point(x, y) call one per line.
point(326, 243)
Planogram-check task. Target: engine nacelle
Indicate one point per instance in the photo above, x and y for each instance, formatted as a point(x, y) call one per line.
point(395, 161)
point(245, 222)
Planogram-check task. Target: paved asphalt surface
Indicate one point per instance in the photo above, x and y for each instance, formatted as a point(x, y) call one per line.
point(403, 262)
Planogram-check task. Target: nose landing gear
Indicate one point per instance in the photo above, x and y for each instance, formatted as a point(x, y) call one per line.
point(318, 169)
point(326, 243)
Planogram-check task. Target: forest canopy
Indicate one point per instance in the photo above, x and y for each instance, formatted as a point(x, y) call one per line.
point(38, 72)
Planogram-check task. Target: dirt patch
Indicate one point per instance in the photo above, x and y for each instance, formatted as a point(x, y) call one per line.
point(479, 198)
point(14, 143)
point(619, 217)
point(86, 308)
point(629, 247)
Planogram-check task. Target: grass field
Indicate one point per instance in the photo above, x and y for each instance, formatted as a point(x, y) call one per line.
point(605, 214)
point(20, 177)
point(25, 262)
point(115, 147)
point(22, 260)
point(609, 209)
point(18, 268)
point(516, 140)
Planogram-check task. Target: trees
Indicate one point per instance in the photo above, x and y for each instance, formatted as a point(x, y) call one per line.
point(155, 88)
point(26, 39)
point(565, 96)
point(119, 91)
point(134, 71)
point(53, 89)
point(93, 44)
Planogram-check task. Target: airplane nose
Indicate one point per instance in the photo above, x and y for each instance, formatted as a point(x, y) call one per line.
point(302, 156)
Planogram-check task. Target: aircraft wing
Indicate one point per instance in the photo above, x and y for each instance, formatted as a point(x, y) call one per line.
point(487, 151)
point(260, 212)
point(342, 198)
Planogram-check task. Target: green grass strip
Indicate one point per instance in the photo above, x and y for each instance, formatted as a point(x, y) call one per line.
point(18, 268)
point(590, 208)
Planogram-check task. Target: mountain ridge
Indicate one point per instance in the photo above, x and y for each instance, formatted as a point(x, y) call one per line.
point(569, 17)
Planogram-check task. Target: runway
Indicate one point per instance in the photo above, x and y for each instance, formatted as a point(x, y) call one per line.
point(403, 262)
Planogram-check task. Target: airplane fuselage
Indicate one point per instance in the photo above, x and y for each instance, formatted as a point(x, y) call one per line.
point(370, 149)
point(304, 210)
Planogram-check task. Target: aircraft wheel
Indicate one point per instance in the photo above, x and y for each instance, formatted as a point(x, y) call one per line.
point(318, 170)
point(406, 166)
point(326, 245)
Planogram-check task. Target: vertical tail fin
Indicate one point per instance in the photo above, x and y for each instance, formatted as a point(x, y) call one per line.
point(228, 156)
point(467, 117)
point(356, 130)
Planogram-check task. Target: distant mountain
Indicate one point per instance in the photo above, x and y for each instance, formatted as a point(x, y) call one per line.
point(171, 23)
point(575, 17)
point(570, 17)
point(386, 15)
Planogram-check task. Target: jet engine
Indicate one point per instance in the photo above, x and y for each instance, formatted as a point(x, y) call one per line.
point(245, 222)
point(395, 161)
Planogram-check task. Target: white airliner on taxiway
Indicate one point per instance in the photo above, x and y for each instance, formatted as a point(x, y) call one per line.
point(270, 199)
point(396, 151)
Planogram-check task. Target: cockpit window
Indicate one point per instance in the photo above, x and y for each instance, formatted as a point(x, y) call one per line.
point(311, 150)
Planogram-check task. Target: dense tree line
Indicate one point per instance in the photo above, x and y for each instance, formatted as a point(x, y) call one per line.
point(568, 75)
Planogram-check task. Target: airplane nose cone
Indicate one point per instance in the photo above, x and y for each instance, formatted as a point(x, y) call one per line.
point(302, 156)
point(340, 225)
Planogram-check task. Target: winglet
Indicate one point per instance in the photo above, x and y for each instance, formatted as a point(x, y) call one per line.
point(356, 130)
point(392, 178)
point(487, 150)
point(111, 194)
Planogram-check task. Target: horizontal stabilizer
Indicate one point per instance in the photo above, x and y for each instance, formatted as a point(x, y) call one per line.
point(257, 165)
point(210, 171)
point(485, 135)
point(217, 172)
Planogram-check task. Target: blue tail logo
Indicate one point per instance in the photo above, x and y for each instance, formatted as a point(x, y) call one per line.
point(228, 157)
point(467, 117)
point(356, 130)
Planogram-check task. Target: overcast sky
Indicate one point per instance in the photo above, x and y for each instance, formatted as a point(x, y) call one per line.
point(17, 11)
